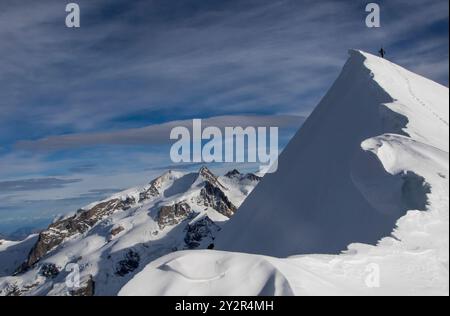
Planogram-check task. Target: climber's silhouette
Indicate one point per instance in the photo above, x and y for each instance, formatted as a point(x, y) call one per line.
point(382, 52)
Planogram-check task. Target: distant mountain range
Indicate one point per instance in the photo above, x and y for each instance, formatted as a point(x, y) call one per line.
point(113, 239)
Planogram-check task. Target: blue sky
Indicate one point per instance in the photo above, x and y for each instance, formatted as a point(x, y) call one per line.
point(85, 112)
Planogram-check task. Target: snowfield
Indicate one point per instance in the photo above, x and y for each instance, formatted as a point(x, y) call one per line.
point(358, 206)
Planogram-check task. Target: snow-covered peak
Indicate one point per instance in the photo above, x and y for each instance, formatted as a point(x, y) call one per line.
point(365, 179)
point(331, 191)
point(166, 179)
point(206, 175)
point(422, 102)
point(110, 239)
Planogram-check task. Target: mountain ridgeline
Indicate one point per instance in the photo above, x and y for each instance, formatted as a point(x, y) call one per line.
point(112, 239)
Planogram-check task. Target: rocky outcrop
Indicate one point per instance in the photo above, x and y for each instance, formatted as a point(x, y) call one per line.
point(149, 193)
point(66, 228)
point(11, 289)
point(212, 196)
point(129, 263)
point(208, 176)
point(173, 214)
point(252, 177)
point(233, 174)
point(49, 270)
point(155, 187)
point(86, 289)
point(197, 232)
point(116, 230)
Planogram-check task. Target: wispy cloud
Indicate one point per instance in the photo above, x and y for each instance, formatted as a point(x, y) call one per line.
point(35, 184)
point(187, 58)
point(154, 134)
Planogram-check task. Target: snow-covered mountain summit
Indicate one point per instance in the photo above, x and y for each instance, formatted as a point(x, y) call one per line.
point(331, 189)
point(359, 204)
point(113, 239)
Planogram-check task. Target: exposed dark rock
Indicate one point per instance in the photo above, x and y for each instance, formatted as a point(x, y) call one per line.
point(77, 224)
point(129, 201)
point(129, 263)
point(252, 177)
point(208, 176)
point(86, 289)
point(11, 289)
point(233, 174)
point(198, 231)
point(155, 188)
point(117, 230)
point(173, 214)
point(213, 196)
point(148, 194)
point(49, 270)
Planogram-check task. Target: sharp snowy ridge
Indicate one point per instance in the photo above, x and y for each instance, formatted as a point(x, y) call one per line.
point(359, 205)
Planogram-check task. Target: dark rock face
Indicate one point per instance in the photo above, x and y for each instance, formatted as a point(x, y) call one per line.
point(129, 263)
point(11, 290)
point(252, 177)
point(98, 212)
point(77, 224)
point(87, 289)
point(154, 190)
point(173, 214)
point(233, 174)
point(208, 176)
point(198, 231)
point(126, 205)
point(213, 196)
point(149, 193)
point(49, 270)
point(117, 230)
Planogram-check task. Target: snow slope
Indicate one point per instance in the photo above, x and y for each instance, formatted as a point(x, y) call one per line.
point(359, 205)
point(13, 253)
point(328, 191)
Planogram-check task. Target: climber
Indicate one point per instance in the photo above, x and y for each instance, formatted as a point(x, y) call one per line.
point(382, 52)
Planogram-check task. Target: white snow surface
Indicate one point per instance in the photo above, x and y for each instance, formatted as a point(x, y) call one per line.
point(13, 253)
point(358, 206)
